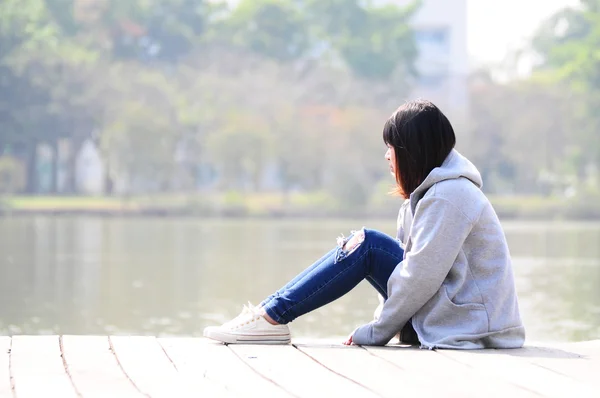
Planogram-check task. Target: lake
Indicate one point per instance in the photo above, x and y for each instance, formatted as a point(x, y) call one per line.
point(174, 276)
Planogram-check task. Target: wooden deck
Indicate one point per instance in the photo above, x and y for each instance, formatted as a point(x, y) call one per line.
point(117, 366)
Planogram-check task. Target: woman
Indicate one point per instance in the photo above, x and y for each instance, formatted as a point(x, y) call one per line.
point(446, 280)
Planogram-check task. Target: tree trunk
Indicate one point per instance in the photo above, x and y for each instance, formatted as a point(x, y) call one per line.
point(71, 179)
point(108, 182)
point(55, 170)
point(31, 187)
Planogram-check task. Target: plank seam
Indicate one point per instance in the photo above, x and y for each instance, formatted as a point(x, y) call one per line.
point(11, 378)
point(382, 358)
point(505, 380)
point(114, 352)
point(66, 366)
point(262, 375)
point(162, 347)
point(337, 373)
point(551, 370)
point(559, 373)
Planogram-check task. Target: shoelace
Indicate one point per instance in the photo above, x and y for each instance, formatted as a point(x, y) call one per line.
point(248, 314)
point(252, 315)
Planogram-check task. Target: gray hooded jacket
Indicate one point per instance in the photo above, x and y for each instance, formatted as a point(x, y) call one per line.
point(456, 281)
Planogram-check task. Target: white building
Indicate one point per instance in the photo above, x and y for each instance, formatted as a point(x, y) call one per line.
point(441, 37)
point(89, 169)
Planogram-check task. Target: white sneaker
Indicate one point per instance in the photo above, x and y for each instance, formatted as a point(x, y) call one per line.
point(250, 327)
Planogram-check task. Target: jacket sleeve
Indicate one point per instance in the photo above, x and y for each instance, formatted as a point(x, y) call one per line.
point(438, 232)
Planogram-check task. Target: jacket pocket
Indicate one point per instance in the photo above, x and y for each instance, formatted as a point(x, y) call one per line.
point(465, 306)
point(444, 318)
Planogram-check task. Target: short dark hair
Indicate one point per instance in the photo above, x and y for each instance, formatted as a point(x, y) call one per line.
point(422, 138)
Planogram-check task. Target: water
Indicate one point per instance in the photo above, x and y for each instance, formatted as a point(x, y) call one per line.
point(85, 275)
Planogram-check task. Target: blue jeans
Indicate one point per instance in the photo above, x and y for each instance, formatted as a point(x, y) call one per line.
point(335, 274)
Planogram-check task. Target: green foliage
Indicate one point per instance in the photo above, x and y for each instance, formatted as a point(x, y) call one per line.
point(523, 145)
point(24, 26)
point(140, 144)
point(240, 150)
point(12, 175)
point(272, 28)
point(170, 28)
point(568, 44)
point(181, 93)
point(62, 12)
point(373, 40)
point(373, 47)
point(24, 29)
point(540, 135)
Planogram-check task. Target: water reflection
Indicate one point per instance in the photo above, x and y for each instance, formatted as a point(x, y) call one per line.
point(175, 276)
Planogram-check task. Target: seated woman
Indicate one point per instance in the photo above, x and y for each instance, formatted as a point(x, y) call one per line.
point(446, 279)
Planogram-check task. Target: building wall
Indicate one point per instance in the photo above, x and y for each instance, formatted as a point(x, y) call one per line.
point(443, 64)
point(89, 169)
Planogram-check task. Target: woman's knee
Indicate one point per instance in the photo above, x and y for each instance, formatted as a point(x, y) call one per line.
point(357, 239)
point(379, 240)
point(348, 245)
point(373, 235)
point(353, 241)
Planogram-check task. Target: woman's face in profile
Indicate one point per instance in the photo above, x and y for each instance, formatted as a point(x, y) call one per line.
point(390, 156)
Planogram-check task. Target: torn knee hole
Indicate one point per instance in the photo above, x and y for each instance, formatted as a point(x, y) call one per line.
point(353, 242)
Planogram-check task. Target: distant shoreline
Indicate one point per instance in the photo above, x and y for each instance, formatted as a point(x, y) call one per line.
point(273, 205)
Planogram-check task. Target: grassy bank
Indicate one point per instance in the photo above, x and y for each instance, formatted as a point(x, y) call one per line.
point(226, 204)
point(278, 205)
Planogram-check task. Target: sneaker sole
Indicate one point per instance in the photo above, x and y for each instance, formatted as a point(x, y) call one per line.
point(241, 339)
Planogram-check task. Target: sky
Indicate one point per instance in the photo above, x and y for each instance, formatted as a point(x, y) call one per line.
point(495, 27)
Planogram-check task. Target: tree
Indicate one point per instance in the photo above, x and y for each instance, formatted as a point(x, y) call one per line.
point(24, 25)
point(374, 41)
point(272, 28)
point(164, 30)
point(568, 46)
point(24, 28)
point(240, 150)
point(243, 89)
point(139, 145)
point(521, 135)
point(138, 124)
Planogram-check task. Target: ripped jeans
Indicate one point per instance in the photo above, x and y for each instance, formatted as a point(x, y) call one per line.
point(335, 274)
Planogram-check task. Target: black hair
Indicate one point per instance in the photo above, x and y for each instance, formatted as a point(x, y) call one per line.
point(422, 138)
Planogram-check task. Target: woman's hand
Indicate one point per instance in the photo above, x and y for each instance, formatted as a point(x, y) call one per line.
point(349, 341)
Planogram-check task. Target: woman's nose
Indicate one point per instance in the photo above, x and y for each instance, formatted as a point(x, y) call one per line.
point(387, 154)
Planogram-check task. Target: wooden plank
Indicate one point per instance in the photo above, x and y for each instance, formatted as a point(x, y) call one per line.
point(565, 362)
point(215, 369)
point(5, 377)
point(519, 372)
point(38, 369)
point(459, 380)
point(297, 373)
point(147, 365)
point(94, 369)
point(588, 349)
point(382, 377)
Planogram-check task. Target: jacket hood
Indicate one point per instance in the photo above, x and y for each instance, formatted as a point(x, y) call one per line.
point(455, 166)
